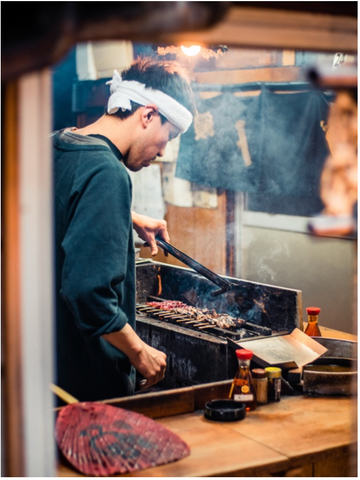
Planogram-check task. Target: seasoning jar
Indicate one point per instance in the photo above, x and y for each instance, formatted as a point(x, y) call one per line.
point(260, 382)
point(242, 388)
point(312, 328)
point(274, 384)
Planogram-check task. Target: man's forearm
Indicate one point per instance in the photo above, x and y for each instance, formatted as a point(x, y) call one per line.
point(126, 340)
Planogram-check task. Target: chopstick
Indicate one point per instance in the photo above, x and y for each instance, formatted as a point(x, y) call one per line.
point(63, 394)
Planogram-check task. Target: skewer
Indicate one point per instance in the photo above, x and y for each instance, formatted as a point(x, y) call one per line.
point(150, 312)
point(178, 318)
point(186, 318)
point(145, 308)
point(158, 314)
point(153, 311)
point(163, 313)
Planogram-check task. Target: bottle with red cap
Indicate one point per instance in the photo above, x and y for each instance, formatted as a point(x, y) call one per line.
point(312, 328)
point(242, 388)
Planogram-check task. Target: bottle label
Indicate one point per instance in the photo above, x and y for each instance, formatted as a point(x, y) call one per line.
point(274, 389)
point(238, 382)
point(244, 397)
point(277, 388)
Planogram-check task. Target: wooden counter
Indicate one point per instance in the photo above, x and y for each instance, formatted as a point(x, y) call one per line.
point(299, 436)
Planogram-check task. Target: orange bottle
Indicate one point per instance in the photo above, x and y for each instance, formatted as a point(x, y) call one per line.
point(242, 389)
point(312, 328)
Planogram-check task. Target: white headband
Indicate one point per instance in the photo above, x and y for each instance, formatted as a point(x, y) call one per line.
point(122, 91)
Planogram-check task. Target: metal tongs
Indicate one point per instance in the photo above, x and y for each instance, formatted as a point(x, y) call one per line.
point(224, 285)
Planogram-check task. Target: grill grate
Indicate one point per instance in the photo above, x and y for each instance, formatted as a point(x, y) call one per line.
point(247, 331)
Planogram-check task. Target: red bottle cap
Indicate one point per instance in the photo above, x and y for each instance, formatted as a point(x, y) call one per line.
point(313, 310)
point(243, 354)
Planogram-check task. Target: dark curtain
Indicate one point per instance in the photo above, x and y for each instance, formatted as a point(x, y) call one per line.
point(271, 145)
point(294, 147)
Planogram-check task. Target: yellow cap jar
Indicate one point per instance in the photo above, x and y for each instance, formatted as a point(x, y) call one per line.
point(274, 383)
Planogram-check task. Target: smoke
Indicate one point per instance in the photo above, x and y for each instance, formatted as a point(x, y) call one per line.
point(266, 254)
point(265, 271)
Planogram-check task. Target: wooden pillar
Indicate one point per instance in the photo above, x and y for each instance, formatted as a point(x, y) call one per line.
point(28, 446)
point(12, 398)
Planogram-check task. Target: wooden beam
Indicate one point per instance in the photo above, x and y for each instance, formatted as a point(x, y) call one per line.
point(269, 28)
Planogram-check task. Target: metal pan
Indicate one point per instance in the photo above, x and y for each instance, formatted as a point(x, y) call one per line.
point(335, 372)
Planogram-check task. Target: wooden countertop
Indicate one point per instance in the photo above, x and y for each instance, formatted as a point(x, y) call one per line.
point(296, 434)
point(299, 436)
point(331, 333)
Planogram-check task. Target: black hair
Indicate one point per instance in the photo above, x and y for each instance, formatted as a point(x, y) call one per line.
point(165, 75)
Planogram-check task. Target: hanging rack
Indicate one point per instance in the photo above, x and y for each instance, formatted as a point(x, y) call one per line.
point(283, 86)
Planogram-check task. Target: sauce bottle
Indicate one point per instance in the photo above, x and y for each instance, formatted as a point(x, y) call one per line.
point(312, 328)
point(242, 388)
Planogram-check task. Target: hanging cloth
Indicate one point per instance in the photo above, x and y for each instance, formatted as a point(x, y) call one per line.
point(220, 149)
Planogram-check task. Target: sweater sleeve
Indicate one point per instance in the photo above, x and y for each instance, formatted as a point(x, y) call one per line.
point(96, 247)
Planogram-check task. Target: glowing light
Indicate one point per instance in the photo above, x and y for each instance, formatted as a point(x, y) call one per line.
point(191, 51)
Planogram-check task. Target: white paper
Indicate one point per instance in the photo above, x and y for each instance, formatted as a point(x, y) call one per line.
point(290, 351)
point(177, 191)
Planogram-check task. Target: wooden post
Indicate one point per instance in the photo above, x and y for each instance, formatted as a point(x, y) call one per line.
point(12, 448)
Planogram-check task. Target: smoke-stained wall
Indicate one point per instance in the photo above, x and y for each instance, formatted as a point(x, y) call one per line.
point(323, 268)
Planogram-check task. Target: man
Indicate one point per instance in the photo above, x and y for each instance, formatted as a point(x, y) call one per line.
point(98, 349)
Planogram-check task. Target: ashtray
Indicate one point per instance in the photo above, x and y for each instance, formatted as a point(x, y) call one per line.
point(224, 410)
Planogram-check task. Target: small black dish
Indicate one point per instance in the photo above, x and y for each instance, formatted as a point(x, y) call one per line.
point(224, 410)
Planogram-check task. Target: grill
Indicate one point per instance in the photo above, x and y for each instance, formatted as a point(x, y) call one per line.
point(203, 322)
point(198, 351)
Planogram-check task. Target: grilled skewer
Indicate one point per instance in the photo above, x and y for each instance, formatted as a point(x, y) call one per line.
point(193, 316)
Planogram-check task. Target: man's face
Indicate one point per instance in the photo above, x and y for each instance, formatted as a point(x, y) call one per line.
point(150, 143)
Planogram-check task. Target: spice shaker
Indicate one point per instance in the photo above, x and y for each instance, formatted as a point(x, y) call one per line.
point(260, 382)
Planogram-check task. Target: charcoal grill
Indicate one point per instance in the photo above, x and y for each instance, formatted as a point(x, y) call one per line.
point(247, 330)
point(198, 352)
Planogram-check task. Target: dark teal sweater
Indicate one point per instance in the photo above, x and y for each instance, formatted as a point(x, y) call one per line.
point(95, 266)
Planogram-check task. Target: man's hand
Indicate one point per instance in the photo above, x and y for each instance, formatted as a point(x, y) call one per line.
point(147, 228)
point(153, 363)
point(148, 361)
